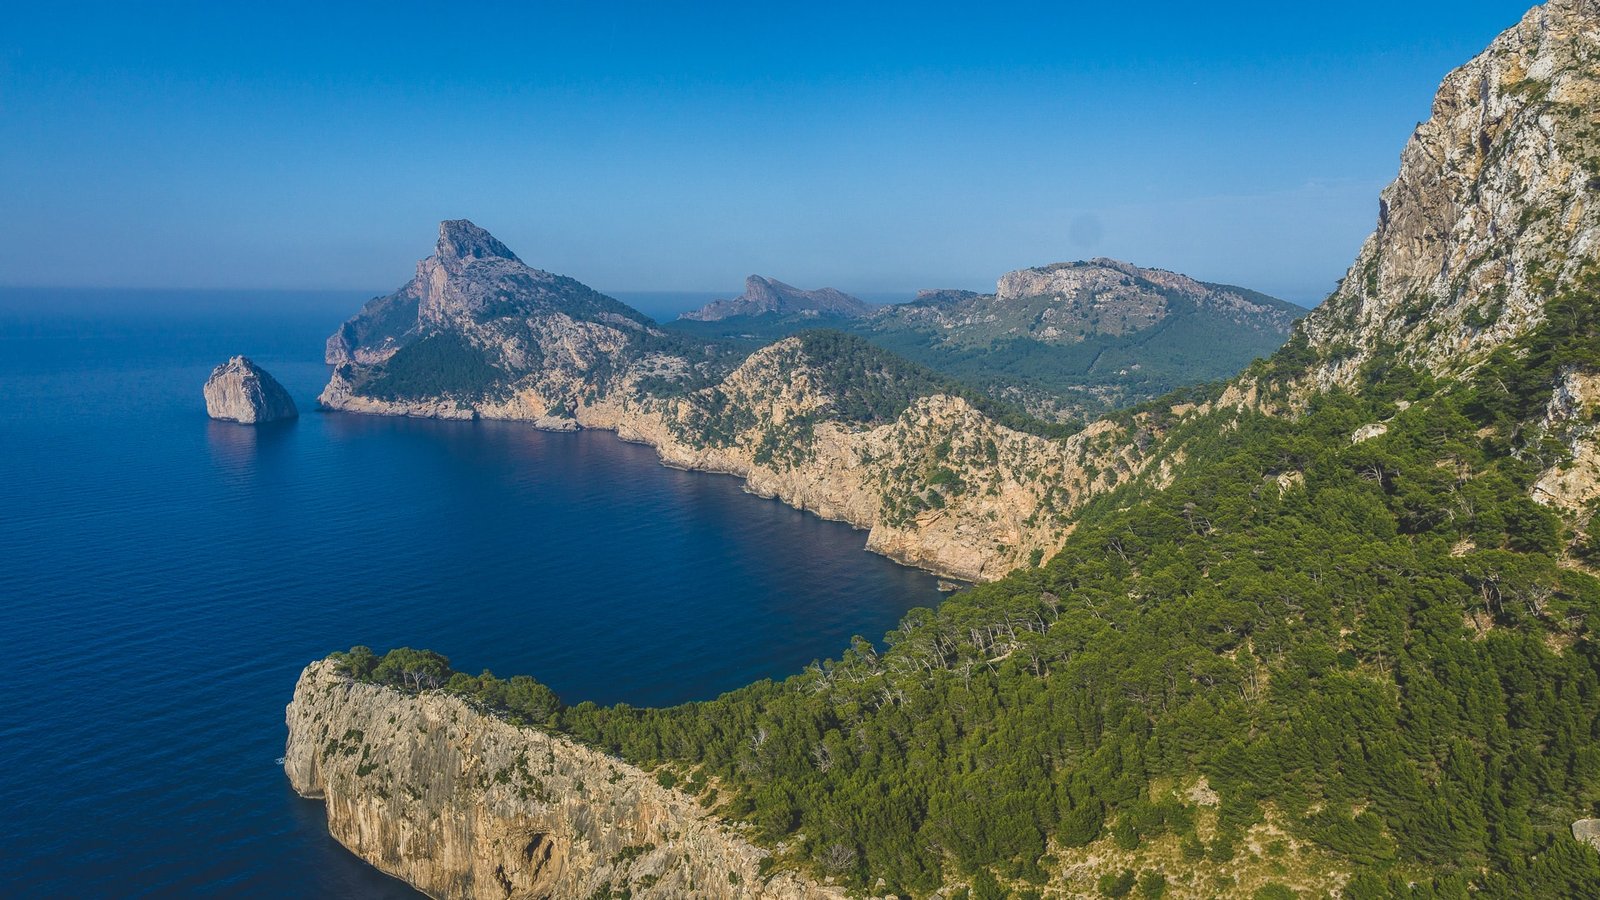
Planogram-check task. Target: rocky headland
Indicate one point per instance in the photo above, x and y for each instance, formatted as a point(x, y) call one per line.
point(462, 804)
point(829, 425)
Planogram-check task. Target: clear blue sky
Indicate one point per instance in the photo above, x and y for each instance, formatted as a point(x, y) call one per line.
point(683, 146)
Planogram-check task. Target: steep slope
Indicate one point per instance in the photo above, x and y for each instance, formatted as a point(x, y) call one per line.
point(503, 812)
point(1493, 210)
point(1327, 639)
point(768, 296)
point(942, 477)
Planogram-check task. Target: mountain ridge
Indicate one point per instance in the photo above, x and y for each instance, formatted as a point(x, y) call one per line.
point(768, 296)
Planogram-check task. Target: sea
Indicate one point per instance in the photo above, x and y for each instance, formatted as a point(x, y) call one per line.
point(165, 577)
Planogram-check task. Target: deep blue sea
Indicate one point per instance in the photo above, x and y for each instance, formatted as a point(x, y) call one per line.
point(163, 579)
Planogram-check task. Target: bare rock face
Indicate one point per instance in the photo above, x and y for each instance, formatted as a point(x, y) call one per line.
point(462, 804)
point(241, 391)
point(1493, 210)
point(768, 295)
point(471, 279)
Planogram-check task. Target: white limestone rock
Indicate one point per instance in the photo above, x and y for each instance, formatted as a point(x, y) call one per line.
point(241, 391)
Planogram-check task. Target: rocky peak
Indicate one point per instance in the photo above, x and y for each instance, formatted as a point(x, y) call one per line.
point(761, 289)
point(474, 285)
point(1492, 211)
point(768, 295)
point(460, 239)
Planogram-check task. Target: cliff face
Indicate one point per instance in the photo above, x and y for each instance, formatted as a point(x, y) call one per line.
point(940, 486)
point(241, 391)
point(1493, 209)
point(462, 804)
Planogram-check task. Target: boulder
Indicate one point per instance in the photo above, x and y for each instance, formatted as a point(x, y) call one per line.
point(1588, 831)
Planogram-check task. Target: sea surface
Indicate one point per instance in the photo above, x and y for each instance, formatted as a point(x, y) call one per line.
point(163, 579)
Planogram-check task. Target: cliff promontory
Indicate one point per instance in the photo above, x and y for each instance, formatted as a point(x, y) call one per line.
point(825, 421)
point(241, 391)
point(460, 803)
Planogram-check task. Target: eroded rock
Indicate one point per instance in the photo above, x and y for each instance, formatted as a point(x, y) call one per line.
point(462, 804)
point(241, 391)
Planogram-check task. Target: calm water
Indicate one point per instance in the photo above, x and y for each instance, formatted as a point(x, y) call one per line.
point(163, 578)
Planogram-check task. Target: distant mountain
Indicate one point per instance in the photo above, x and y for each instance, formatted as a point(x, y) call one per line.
point(1086, 337)
point(1070, 303)
point(471, 281)
point(1066, 341)
point(768, 296)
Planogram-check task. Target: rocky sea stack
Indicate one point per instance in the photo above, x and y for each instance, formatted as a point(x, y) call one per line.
point(241, 391)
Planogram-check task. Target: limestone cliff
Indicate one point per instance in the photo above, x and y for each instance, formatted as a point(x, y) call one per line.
point(461, 804)
point(940, 486)
point(1493, 210)
point(241, 391)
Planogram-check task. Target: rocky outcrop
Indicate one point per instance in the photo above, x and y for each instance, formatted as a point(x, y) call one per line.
point(1570, 421)
point(241, 391)
point(1587, 831)
point(462, 804)
point(469, 281)
point(1493, 210)
point(764, 296)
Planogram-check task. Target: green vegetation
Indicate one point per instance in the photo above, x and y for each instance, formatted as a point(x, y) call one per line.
point(1102, 371)
point(444, 364)
point(520, 698)
point(1381, 649)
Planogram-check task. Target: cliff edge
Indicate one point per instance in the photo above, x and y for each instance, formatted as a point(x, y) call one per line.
point(459, 803)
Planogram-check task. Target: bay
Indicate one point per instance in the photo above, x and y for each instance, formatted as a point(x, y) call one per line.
point(163, 579)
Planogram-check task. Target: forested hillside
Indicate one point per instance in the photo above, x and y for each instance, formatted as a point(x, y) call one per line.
point(1308, 661)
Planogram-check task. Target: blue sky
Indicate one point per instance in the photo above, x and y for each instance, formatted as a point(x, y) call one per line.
point(645, 147)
